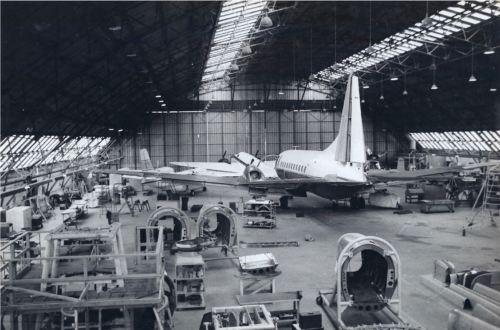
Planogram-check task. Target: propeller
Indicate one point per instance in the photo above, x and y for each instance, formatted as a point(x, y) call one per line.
point(224, 159)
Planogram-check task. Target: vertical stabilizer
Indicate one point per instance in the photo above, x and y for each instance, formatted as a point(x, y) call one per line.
point(145, 161)
point(349, 145)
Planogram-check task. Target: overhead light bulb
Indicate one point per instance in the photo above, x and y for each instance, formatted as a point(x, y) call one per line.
point(255, 104)
point(369, 50)
point(381, 97)
point(363, 101)
point(235, 67)
point(266, 22)
point(434, 86)
point(111, 129)
point(427, 21)
point(281, 92)
point(472, 78)
point(335, 66)
point(493, 89)
point(120, 130)
point(405, 92)
point(311, 77)
point(432, 67)
point(366, 86)
point(246, 50)
point(161, 101)
point(261, 100)
point(393, 77)
point(158, 96)
point(489, 51)
point(285, 110)
point(163, 105)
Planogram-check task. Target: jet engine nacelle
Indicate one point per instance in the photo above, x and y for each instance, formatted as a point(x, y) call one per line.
point(253, 173)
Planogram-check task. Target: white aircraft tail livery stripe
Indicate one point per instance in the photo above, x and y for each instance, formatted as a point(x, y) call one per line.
point(349, 145)
point(145, 160)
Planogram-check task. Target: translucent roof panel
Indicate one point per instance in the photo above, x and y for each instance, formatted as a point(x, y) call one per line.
point(23, 151)
point(445, 23)
point(234, 28)
point(471, 141)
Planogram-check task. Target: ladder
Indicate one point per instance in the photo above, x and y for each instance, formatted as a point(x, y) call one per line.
point(489, 209)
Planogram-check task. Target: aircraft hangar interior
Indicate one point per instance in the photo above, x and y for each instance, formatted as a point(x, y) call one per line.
point(250, 164)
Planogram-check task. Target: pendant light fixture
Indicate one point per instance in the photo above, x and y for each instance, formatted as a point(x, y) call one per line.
point(381, 88)
point(434, 80)
point(427, 21)
point(472, 78)
point(370, 48)
point(405, 92)
point(311, 77)
point(363, 97)
point(335, 66)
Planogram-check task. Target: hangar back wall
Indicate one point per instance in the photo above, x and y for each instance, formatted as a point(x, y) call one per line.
point(183, 136)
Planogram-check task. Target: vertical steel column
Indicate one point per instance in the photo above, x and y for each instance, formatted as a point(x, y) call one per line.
point(192, 137)
point(279, 131)
point(164, 140)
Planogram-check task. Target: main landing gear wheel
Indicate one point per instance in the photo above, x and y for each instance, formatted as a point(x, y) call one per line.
point(361, 203)
point(192, 193)
point(353, 203)
point(319, 300)
point(204, 189)
point(284, 202)
point(335, 205)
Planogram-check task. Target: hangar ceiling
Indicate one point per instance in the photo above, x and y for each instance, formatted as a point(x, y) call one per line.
point(67, 70)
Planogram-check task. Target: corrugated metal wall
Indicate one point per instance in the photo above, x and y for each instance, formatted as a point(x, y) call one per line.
point(183, 136)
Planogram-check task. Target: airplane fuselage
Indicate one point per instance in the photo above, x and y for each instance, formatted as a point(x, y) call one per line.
point(344, 179)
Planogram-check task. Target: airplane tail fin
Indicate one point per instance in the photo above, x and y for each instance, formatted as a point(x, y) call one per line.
point(146, 161)
point(349, 145)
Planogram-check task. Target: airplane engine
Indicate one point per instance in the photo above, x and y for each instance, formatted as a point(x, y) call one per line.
point(368, 272)
point(253, 173)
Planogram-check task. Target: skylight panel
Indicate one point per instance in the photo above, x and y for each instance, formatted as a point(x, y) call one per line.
point(236, 20)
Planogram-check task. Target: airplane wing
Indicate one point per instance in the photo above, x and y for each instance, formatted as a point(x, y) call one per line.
point(233, 169)
point(432, 174)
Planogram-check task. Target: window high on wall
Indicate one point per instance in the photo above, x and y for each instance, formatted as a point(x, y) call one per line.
point(488, 141)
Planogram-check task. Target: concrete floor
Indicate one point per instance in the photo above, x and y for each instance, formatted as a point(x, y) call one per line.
point(418, 238)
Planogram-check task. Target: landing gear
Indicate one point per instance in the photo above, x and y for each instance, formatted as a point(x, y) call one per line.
point(204, 189)
point(284, 202)
point(192, 193)
point(361, 203)
point(335, 205)
point(357, 203)
point(353, 203)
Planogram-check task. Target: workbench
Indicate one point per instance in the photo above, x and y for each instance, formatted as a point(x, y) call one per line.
point(263, 281)
point(439, 205)
point(274, 298)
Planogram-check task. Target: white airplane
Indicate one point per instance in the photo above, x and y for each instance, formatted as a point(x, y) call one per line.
point(334, 173)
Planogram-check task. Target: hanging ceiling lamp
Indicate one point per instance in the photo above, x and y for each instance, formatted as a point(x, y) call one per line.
point(434, 80)
point(427, 21)
point(311, 77)
point(370, 48)
point(227, 78)
point(335, 66)
point(405, 92)
point(246, 50)
point(115, 23)
point(393, 77)
point(281, 92)
point(381, 88)
point(489, 50)
point(266, 22)
point(472, 78)
point(235, 67)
